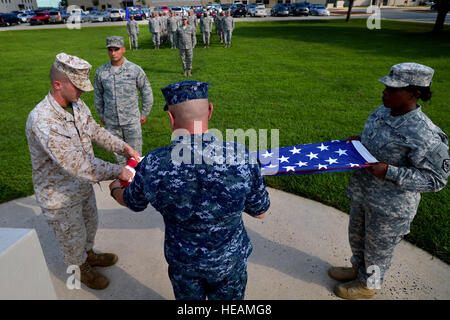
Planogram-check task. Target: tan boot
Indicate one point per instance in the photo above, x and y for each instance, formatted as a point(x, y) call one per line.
point(92, 278)
point(101, 259)
point(353, 290)
point(343, 273)
point(189, 73)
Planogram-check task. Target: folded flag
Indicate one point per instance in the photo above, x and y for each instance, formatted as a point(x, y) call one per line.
point(331, 156)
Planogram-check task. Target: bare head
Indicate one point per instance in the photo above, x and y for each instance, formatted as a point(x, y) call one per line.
point(189, 114)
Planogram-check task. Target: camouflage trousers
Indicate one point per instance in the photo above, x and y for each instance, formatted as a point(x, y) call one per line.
point(191, 286)
point(172, 39)
point(219, 32)
point(373, 236)
point(131, 134)
point(186, 56)
point(134, 41)
point(156, 38)
point(227, 37)
point(75, 228)
point(206, 37)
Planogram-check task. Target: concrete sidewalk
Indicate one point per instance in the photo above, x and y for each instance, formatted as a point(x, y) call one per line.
point(292, 249)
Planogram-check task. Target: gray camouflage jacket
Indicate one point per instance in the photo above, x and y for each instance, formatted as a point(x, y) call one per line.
point(228, 23)
point(185, 38)
point(417, 153)
point(172, 24)
point(155, 25)
point(133, 27)
point(116, 93)
point(206, 24)
point(62, 157)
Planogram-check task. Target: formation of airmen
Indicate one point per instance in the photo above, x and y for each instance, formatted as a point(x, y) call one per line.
point(165, 28)
point(206, 243)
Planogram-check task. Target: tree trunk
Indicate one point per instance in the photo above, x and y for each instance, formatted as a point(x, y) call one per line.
point(442, 7)
point(350, 5)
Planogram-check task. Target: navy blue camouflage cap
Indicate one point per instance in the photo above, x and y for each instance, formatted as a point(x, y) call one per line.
point(408, 74)
point(184, 91)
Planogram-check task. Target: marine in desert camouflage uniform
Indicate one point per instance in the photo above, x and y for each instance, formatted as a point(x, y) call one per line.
point(60, 131)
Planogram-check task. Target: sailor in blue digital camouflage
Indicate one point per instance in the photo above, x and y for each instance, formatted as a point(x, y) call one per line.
point(201, 186)
point(173, 22)
point(227, 27)
point(117, 85)
point(206, 23)
point(155, 28)
point(133, 32)
point(186, 40)
point(60, 131)
point(413, 158)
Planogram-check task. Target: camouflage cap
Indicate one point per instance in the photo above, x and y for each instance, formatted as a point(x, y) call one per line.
point(76, 69)
point(184, 91)
point(114, 41)
point(408, 73)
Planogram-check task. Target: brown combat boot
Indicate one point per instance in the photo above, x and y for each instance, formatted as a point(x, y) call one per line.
point(101, 259)
point(353, 290)
point(343, 273)
point(92, 278)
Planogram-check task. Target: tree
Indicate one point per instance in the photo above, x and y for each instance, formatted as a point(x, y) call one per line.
point(442, 7)
point(350, 6)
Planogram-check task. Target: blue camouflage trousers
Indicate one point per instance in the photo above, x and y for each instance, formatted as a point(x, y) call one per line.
point(192, 286)
point(131, 134)
point(373, 235)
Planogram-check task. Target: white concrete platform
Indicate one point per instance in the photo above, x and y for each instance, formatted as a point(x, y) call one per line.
point(292, 249)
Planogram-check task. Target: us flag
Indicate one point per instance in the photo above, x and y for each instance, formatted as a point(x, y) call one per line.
point(331, 156)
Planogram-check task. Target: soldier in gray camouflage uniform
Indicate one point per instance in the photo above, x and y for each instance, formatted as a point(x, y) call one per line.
point(133, 32)
point(218, 24)
point(155, 27)
point(201, 199)
point(186, 40)
point(193, 21)
point(172, 25)
point(206, 23)
point(117, 98)
point(413, 155)
point(60, 131)
point(227, 27)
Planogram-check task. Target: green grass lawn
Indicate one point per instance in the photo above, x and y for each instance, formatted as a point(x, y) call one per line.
point(313, 80)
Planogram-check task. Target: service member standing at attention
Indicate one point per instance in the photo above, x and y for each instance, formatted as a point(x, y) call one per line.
point(228, 27)
point(155, 27)
point(202, 202)
point(206, 23)
point(413, 155)
point(218, 24)
point(192, 20)
point(133, 32)
point(60, 131)
point(186, 40)
point(116, 84)
point(172, 25)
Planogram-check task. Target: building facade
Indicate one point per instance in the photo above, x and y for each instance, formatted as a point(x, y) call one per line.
point(17, 5)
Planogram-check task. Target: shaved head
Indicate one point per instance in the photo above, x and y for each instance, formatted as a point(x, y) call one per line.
point(190, 111)
point(57, 75)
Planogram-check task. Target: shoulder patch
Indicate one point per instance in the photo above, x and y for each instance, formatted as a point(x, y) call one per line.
point(446, 165)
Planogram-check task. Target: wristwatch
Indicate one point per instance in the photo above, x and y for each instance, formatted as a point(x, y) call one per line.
point(112, 191)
